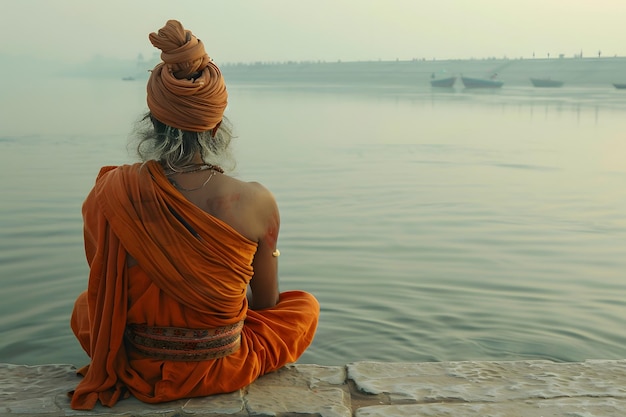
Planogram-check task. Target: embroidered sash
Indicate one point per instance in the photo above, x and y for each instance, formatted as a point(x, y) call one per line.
point(180, 344)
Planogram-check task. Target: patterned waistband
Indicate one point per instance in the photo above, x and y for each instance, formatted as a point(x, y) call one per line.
point(180, 344)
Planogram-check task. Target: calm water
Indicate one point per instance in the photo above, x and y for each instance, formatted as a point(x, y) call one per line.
point(431, 225)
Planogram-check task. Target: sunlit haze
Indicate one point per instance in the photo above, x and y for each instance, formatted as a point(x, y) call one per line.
point(321, 30)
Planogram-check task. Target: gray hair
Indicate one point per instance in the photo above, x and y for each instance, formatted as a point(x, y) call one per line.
point(175, 148)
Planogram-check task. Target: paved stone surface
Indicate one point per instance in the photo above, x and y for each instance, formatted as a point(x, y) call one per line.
point(489, 381)
point(360, 389)
point(568, 407)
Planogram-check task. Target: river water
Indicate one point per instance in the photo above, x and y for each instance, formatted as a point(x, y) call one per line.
point(431, 225)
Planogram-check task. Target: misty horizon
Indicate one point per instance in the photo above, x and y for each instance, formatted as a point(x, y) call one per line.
point(513, 71)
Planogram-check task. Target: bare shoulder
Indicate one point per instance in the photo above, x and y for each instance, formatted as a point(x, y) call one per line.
point(250, 190)
point(259, 190)
point(251, 208)
point(261, 198)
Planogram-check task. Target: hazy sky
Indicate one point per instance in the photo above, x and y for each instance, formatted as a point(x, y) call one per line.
point(328, 30)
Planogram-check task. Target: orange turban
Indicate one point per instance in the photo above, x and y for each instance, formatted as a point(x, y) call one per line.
point(186, 90)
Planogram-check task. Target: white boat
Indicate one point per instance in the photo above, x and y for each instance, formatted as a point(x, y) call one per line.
point(481, 82)
point(546, 82)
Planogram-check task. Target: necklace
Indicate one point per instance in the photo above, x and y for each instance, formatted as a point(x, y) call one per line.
point(195, 168)
point(204, 167)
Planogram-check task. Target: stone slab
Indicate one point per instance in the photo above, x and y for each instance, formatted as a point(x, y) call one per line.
point(478, 382)
point(565, 407)
point(270, 401)
point(360, 389)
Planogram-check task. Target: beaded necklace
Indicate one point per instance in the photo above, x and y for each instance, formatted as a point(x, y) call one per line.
point(196, 168)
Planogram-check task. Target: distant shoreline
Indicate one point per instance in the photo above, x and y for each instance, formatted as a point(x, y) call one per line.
point(324, 62)
point(572, 71)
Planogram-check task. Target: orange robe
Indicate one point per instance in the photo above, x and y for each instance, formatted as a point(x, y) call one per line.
point(181, 280)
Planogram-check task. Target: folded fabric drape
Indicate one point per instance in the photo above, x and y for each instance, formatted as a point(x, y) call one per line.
point(181, 280)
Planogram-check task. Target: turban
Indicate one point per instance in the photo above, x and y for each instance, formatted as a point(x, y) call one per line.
point(186, 90)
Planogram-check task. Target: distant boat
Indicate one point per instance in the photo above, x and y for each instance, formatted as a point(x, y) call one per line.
point(443, 82)
point(481, 83)
point(546, 82)
point(620, 86)
point(128, 78)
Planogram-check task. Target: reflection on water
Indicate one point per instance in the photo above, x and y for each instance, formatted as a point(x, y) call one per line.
point(431, 225)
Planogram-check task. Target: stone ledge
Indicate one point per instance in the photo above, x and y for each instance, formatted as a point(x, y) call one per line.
point(360, 389)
